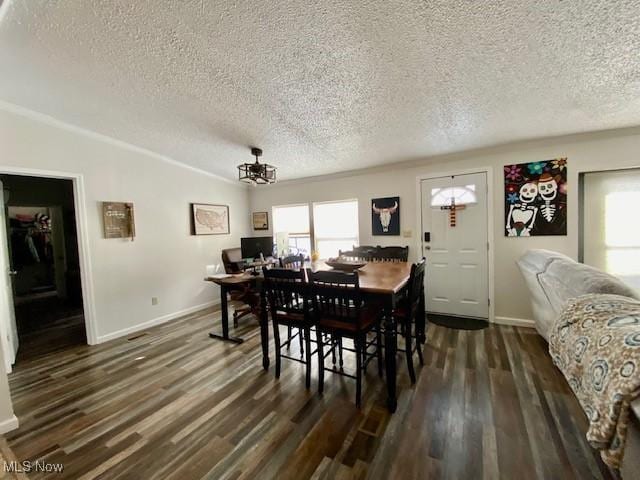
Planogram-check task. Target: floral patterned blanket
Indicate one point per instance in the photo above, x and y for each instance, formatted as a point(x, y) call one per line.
point(596, 344)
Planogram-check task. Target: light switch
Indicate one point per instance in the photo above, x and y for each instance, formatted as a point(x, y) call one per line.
point(407, 233)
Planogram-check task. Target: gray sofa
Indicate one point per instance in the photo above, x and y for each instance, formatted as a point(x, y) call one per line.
point(552, 279)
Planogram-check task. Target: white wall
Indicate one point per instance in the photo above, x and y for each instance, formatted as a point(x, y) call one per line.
point(598, 151)
point(164, 260)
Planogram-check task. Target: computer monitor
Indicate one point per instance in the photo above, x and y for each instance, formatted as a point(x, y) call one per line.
point(252, 247)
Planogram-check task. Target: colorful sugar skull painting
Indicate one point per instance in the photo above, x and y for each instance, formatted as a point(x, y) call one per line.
point(535, 197)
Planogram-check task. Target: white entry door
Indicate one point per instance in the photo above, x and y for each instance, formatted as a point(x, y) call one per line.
point(456, 249)
point(8, 329)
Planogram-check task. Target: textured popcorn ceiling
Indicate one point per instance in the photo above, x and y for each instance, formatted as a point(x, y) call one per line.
point(323, 86)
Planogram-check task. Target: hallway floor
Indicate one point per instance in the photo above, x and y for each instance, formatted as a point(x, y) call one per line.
point(47, 325)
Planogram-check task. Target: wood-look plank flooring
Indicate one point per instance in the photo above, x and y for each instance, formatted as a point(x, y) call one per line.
point(173, 403)
point(48, 324)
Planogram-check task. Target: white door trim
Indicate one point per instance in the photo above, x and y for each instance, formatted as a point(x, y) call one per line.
point(490, 222)
point(82, 227)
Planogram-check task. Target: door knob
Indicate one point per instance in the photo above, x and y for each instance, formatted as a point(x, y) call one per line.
point(13, 272)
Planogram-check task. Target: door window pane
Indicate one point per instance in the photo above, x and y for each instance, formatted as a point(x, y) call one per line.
point(461, 195)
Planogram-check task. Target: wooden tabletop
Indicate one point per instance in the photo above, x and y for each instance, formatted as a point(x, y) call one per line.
point(231, 279)
point(375, 277)
point(378, 277)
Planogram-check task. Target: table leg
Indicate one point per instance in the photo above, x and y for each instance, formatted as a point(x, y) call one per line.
point(264, 330)
point(225, 319)
point(390, 359)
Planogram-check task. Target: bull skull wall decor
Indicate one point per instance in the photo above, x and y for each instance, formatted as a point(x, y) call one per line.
point(385, 216)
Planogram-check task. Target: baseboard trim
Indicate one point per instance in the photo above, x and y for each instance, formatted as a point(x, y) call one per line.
point(156, 321)
point(8, 424)
point(515, 322)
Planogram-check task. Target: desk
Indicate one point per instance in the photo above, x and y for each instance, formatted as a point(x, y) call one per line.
point(227, 284)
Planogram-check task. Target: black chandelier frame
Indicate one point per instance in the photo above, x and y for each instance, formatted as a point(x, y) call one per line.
point(257, 173)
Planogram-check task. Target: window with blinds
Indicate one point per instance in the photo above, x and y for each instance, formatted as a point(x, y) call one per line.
point(335, 227)
point(293, 221)
point(610, 237)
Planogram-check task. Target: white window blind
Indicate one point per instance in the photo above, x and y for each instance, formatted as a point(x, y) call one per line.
point(335, 226)
point(294, 221)
point(611, 236)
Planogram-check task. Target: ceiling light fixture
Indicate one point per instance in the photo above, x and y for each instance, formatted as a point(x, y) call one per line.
point(256, 173)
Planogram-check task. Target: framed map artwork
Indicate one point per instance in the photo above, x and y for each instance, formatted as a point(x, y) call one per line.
point(209, 219)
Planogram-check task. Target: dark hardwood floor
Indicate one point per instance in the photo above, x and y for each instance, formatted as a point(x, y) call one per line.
point(47, 325)
point(173, 403)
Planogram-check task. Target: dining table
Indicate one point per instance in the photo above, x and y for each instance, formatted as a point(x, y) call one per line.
point(381, 283)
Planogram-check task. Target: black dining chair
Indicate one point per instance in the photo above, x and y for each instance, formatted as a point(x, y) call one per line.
point(293, 262)
point(410, 318)
point(361, 253)
point(287, 294)
point(392, 254)
point(349, 255)
point(339, 312)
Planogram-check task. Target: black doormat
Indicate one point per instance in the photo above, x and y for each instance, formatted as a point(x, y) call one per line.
point(458, 323)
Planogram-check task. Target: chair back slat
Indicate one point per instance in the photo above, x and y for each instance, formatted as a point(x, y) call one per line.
point(391, 254)
point(286, 290)
point(336, 295)
point(416, 287)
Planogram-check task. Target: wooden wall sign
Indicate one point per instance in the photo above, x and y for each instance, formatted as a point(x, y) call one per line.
point(118, 220)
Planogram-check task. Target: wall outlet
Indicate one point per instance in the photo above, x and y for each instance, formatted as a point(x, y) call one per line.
point(154, 300)
point(407, 233)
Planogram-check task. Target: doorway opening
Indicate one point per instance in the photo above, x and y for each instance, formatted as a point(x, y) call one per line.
point(455, 239)
point(42, 256)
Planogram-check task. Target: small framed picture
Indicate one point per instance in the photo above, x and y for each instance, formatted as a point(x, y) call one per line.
point(260, 220)
point(209, 219)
